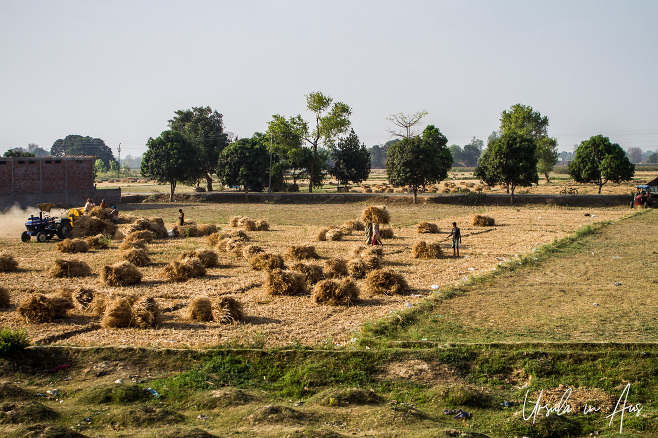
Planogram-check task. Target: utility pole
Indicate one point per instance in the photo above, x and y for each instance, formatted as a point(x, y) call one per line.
point(119, 166)
point(269, 187)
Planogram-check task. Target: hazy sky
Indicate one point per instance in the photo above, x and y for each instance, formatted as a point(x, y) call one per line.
point(118, 70)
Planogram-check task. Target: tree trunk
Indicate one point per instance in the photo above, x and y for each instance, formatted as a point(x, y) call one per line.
point(512, 195)
point(414, 190)
point(600, 185)
point(547, 180)
point(507, 186)
point(172, 187)
point(310, 177)
point(209, 182)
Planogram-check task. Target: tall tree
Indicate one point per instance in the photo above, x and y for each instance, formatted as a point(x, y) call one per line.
point(77, 145)
point(634, 155)
point(205, 129)
point(245, 163)
point(378, 157)
point(418, 161)
point(351, 160)
point(170, 158)
point(457, 155)
point(598, 161)
point(510, 159)
point(290, 157)
point(406, 122)
point(472, 152)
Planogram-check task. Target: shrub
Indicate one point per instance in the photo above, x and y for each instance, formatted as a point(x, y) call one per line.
point(12, 340)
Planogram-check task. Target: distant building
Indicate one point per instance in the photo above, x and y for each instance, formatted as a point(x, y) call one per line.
point(67, 181)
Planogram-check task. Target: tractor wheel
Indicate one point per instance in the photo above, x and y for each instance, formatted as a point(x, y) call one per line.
point(41, 237)
point(25, 237)
point(64, 232)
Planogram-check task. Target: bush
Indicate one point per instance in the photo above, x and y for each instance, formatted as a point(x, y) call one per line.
point(12, 340)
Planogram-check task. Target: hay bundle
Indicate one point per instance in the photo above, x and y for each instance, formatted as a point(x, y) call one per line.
point(249, 225)
point(72, 246)
point(146, 235)
point(186, 231)
point(234, 221)
point(301, 252)
point(235, 235)
point(356, 268)
point(227, 310)
point(98, 241)
point(69, 268)
point(353, 225)
point(321, 236)
point(182, 270)
point(386, 233)
point(130, 244)
point(266, 261)
point(250, 250)
point(207, 257)
point(424, 250)
point(7, 262)
point(206, 229)
point(155, 224)
point(5, 300)
point(376, 251)
point(312, 272)
point(262, 225)
point(280, 282)
point(375, 215)
point(136, 256)
point(334, 234)
point(371, 261)
point(483, 221)
point(145, 313)
point(118, 313)
point(61, 301)
point(336, 293)
point(335, 267)
point(86, 226)
point(101, 213)
point(385, 282)
point(214, 238)
point(83, 299)
point(357, 250)
point(426, 227)
point(199, 309)
point(235, 247)
point(345, 231)
point(36, 308)
point(122, 273)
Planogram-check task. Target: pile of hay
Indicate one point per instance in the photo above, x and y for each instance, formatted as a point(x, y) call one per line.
point(186, 231)
point(336, 293)
point(312, 272)
point(98, 241)
point(145, 313)
point(234, 221)
point(334, 234)
point(371, 261)
point(72, 246)
point(214, 238)
point(118, 313)
point(386, 233)
point(130, 244)
point(321, 236)
point(207, 257)
point(61, 302)
point(122, 273)
point(206, 229)
point(235, 235)
point(83, 299)
point(155, 224)
point(182, 270)
point(357, 250)
point(101, 213)
point(136, 256)
point(7, 262)
point(353, 225)
point(199, 309)
point(227, 310)
point(146, 235)
point(375, 215)
point(356, 268)
point(262, 225)
point(69, 268)
point(86, 226)
point(424, 250)
point(376, 251)
point(280, 282)
point(483, 221)
point(385, 282)
point(266, 261)
point(44, 308)
point(250, 250)
point(249, 224)
point(426, 227)
point(301, 252)
point(5, 300)
point(335, 267)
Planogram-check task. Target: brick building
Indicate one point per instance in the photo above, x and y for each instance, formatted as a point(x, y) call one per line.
point(68, 181)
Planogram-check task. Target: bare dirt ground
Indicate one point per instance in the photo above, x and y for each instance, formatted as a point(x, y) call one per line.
point(282, 321)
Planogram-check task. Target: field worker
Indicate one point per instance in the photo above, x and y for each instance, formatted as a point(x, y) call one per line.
point(181, 217)
point(368, 233)
point(456, 235)
point(376, 240)
point(89, 205)
point(103, 203)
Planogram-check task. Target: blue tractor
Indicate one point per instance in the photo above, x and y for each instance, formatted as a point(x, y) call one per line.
point(45, 227)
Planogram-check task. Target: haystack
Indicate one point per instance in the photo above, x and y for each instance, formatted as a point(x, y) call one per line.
point(227, 310)
point(145, 313)
point(336, 293)
point(301, 252)
point(182, 270)
point(262, 225)
point(122, 273)
point(280, 282)
point(312, 272)
point(386, 233)
point(234, 221)
point(7, 262)
point(356, 268)
point(61, 302)
point(136, 256)
point(426, 227)
point(214, 238)
point(5, 300)
point(36, 308)
point(199, 309)
point(266, 261)
point(321, 236)
point(98, 241)
point(72, 246)
point(69, 268)
point(118, 313)
point(235, 234)
point(424, 250)
point(206, 229)
point(375, 215)
point(483, 221)
point(353, 225)
point(186, 231)
point(235, 247)
point(371, 261)
point(86, 226)
point(385, 282)
point(335, 267)
point(376, 251)
point(101, 213)
point(357, 250)
point(130, 244)
point(83, 299)
point(250, 250)
point(334, 234)
point(155, 224)
point(249, 225)
point(146, 235)
point(207, 257)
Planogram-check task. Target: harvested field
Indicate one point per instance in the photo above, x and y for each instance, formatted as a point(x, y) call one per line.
point(283, 320)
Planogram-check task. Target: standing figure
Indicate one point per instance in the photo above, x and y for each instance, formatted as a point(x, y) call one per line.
point(368, 233)
point(181, 217)
point(456, 235)
point(376, 239)
point(89, 205)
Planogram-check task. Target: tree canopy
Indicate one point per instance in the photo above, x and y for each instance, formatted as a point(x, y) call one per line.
point(511, 160)
point(419, 160)
point(351, 160)
point(245, 162)
point(17, 153)
point(598, 161)
point(170, 158)
point(77, 146)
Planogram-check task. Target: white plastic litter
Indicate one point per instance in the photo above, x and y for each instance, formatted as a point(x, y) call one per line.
point(435, 286)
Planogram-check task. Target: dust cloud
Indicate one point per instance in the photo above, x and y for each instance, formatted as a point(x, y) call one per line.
point(12, 221)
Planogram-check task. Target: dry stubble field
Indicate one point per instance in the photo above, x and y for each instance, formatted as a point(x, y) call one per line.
point(275, 321)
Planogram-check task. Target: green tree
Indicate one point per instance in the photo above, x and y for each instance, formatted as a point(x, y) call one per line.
point(418, 161)
point(170, 158)
point(457, 154)
point(289, 155)
point(17, 153)
point(510, 159)
point(653, 158)
point(245, 163)
point(205, 129)
point(77, 146)
point(472, 152)
point(378, 157)
point(351, 160)
point(598, 161)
